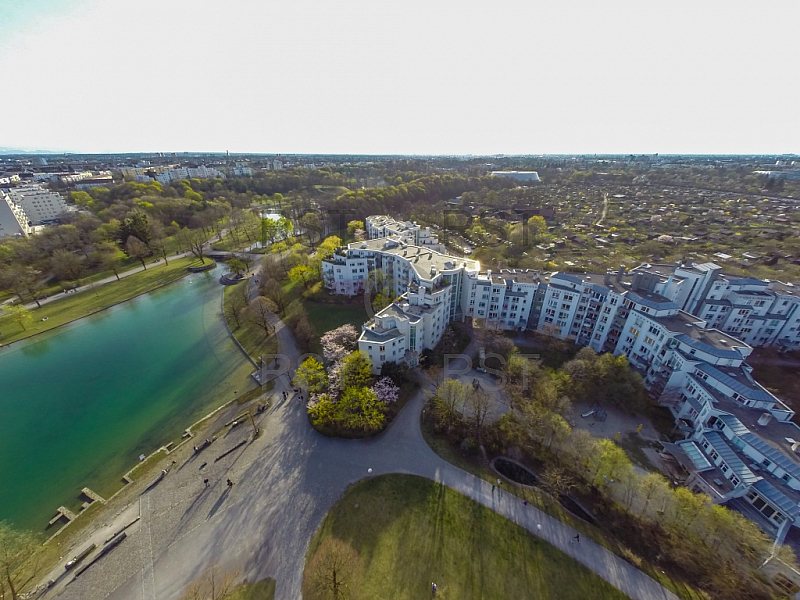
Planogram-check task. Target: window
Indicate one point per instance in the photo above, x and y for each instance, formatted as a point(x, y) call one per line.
point(766, 462)
point(634, 331)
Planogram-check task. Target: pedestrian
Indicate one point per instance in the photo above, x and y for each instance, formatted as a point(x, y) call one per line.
point(205, 482)
point(433, 589)
point(525, 503)
point(493, 486)
point(499, 482)
point(577, 538)
point(230, 483)
point(539, 526)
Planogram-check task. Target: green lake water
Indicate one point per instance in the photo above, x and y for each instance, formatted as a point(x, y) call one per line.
point(80, 404)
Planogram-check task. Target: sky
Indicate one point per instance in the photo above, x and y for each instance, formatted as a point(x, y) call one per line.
point(410, 77)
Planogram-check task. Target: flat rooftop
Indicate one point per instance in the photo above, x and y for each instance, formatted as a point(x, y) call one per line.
point(692, 327)
point(421, 259)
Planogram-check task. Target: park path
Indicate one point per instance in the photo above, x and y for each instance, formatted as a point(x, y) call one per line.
point(285, 483)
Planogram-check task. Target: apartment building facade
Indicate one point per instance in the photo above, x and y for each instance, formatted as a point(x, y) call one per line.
point(740, 445)
point(39, 204)
point(13, 220)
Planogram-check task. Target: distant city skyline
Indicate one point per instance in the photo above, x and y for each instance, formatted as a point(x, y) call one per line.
point(419, 78)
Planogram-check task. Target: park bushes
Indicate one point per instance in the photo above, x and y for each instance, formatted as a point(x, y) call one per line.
point(345, 399)
point(680, 532)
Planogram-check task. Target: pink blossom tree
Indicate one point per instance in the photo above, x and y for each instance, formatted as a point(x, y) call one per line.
point(386, 390)
point(339, 342)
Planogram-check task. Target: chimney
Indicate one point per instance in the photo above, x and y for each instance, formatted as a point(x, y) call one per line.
point(607, 278)
point(764, 419)
point(620, 273)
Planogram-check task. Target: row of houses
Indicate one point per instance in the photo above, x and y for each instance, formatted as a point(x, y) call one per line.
point(687, 328)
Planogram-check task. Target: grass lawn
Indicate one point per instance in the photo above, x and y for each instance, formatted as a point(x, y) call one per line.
point(324, 316)
point(547, 503)
point(76, 306)
point(410, 531)
point(250, 336)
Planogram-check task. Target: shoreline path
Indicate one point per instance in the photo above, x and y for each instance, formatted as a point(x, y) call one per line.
point(285, 483)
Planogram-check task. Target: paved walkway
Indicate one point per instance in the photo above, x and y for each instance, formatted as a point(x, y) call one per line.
point(285, 483)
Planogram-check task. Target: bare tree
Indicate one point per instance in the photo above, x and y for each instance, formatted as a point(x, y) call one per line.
point(260, 312)
point(274, 291)
point(195, 241)
point(235, 304)
point(334, 572)
point(479, 403)
point(211, 585)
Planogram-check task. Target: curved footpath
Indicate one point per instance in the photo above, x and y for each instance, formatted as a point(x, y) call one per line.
point(285, 483)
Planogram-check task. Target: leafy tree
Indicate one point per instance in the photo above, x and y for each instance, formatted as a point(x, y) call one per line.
point(19, 560)
point(334, 572)
point(18, 313)
point(313, 227)
point(328, 245)
point(67, 265)
point(396, 371)
point(237, 265)
point(608, 463)
point(107, 255)
point(136, 224)
point(356, 370)
point(537, 229)
point(310, 376)
point(158, 242)
point(136, 248)
point(20, 280)
point(260, 312)
point(301, 274)
point(354, 226)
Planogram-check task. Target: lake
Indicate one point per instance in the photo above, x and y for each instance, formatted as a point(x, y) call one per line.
point(79, 405)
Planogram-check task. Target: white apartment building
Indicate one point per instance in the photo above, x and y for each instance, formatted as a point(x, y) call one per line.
point(13, 220)
point(39, 204)
point(381, 226)
point(240, 171)
point(740, 445)
point(429, 286)
point(201, 172)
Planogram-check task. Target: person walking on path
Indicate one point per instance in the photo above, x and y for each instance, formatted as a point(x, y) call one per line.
point(433, 590)
point(576, 539)
point(205, 482)
point(493, 486)
point(230, 483)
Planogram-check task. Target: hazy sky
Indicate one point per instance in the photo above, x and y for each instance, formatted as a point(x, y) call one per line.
point(369, 76)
